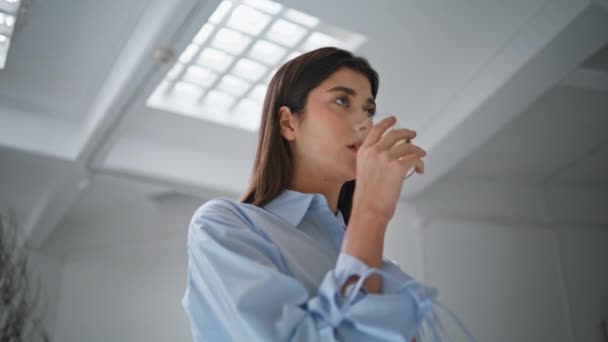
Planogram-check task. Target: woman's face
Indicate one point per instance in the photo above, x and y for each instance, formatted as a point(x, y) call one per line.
point(333, 113)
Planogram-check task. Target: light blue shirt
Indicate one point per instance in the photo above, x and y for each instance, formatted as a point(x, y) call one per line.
point(274, 273)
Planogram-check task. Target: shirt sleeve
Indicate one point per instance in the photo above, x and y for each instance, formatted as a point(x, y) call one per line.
point(236, 290)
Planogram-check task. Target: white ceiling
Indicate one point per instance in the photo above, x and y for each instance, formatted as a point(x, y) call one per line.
point(62, 54)
point(495, 90)
point(561, 138)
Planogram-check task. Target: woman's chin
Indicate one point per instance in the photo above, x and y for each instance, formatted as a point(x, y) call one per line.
point(351, 175)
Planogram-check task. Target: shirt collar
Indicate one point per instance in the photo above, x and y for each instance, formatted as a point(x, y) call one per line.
point(292, 205)
point(341, 218)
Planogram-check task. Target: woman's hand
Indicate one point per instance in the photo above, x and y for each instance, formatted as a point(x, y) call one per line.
point(382, 164)
point(381, 167)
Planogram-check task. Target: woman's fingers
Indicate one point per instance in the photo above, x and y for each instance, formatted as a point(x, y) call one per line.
point(402, 148)
point(411, 160)
point(396, 144)
point(420, 166)
point(378, 129)
point(391, 138)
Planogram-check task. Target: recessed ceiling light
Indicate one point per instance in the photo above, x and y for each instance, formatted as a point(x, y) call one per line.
point(248, 20)
point(231, 41)
point(247, 114)
point(286, 33)
point(249, 70)
point(317, 40)
point(199, 75)
point(8, 14)
point(222, 75)
point(10, 21)
point(258, 93)
point(267, 52)
point(188, 54)
point(234, 85)
point(215, 59)
point(302, 18)
point(219, 99)
point(265, 5)
point(187, 92)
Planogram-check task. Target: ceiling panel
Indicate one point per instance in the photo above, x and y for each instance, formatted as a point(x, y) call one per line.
point(553, 137)
point(62, 53)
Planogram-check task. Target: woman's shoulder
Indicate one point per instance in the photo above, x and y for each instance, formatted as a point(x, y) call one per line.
point(219, 203)
point(225, 220)
point(216, 218)
point(224, 212)
point(221, 206)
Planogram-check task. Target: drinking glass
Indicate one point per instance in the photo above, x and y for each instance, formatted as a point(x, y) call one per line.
point(362, 133)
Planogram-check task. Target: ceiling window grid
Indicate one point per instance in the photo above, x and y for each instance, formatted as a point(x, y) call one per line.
point(222, 75)
point(8, 16)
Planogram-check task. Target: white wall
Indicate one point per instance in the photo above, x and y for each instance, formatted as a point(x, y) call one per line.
point(130, 292)
point(585, 263)
point(403, 241)
point(45, 274)
point(504, 280)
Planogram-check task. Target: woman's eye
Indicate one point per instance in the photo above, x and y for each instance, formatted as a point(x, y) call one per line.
point(343, 101)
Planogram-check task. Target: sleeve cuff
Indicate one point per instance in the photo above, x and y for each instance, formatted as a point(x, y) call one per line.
point(347, 266)
point(398, 277)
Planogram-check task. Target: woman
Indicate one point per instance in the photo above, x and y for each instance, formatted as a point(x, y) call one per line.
point(300, 256)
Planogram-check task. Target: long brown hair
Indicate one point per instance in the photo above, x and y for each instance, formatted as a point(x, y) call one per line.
point(290, 86)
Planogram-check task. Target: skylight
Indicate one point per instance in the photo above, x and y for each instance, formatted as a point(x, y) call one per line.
point(8, 15)
point(223, 74)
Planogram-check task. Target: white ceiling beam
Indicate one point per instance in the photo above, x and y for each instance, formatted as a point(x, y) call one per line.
point(553, 42)
point(157, 29)
point(211, 169)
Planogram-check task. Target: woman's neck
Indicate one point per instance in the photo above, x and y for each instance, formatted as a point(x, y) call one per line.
point(329, 189)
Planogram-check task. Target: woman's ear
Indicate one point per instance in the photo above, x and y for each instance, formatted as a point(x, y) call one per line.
point(287, 123)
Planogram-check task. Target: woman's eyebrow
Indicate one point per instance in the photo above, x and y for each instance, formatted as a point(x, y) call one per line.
point(350, 91)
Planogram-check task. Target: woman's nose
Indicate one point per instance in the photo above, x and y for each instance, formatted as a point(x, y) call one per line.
point(363, 127)
point(365, 123)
